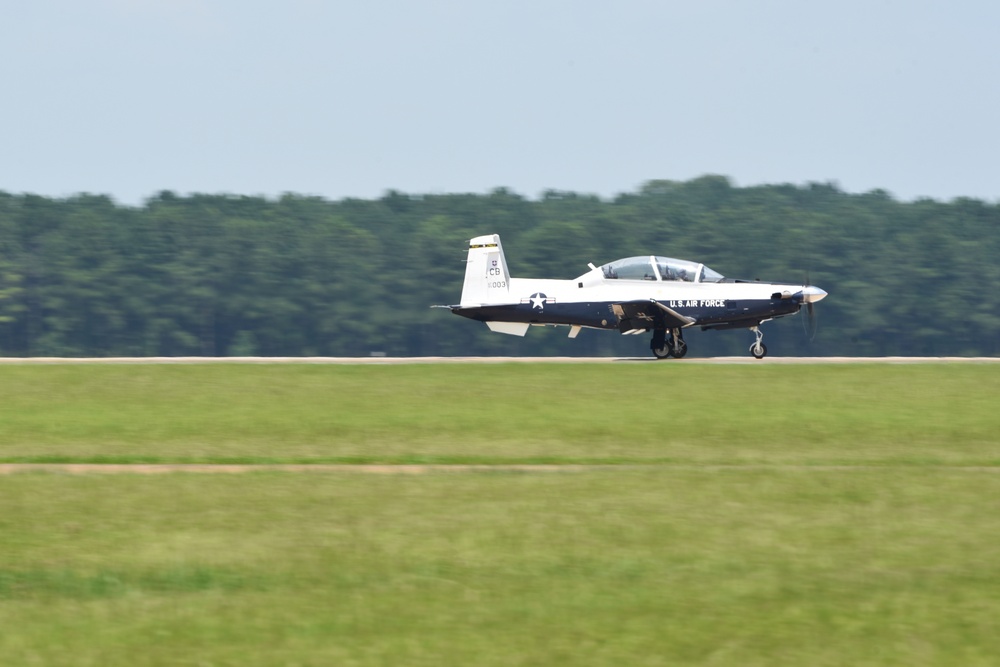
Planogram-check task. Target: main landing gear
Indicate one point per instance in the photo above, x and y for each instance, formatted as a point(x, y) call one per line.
point(664, 346)
point(758, 349)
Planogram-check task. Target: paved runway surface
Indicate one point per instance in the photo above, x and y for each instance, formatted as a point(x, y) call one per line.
point(488, 360)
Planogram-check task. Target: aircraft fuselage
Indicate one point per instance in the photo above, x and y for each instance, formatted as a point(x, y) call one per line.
point(711, 305)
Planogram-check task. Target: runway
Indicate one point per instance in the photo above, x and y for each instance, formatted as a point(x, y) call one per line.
point(388, 361)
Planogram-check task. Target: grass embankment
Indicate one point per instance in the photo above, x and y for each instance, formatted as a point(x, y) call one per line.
point(890, 562)
point(627, 413)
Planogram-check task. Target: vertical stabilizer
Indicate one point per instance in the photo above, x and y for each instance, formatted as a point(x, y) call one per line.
point(487, 279)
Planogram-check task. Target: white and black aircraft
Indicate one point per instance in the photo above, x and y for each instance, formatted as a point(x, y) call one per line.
point(632, 295)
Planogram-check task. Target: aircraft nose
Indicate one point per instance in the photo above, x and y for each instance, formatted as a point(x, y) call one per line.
point(812, 294)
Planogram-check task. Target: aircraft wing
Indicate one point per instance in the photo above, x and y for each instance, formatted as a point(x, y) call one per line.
point(648, 314)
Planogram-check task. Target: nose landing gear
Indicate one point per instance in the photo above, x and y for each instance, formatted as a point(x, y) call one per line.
point(758, 349)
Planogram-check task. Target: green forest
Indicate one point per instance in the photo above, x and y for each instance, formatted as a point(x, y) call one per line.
point(227, 275)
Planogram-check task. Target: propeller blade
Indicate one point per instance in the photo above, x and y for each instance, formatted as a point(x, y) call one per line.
point(809, 322)
point(810, 295)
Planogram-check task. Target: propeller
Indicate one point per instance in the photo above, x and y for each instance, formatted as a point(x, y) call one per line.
point(809, 321)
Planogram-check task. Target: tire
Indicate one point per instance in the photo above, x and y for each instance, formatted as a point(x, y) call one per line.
point(763, 351)
point(681, 349)
point(664, 352)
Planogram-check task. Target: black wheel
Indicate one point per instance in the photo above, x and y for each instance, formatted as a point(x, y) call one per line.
point(759, 351)
point(681, 349)
point(664, 352)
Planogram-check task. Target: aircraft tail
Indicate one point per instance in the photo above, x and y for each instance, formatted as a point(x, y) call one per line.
point(487, 279)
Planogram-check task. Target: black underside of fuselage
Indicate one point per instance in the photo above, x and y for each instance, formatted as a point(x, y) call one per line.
point(734, 314)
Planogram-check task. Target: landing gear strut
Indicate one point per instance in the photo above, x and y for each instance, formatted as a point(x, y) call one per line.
point(664, 347)
point(758, 349)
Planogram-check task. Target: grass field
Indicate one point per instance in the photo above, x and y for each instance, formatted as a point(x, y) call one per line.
point(768, 515)
point(642, 413)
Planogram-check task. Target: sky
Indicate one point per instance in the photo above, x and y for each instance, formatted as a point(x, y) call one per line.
point(351, 99)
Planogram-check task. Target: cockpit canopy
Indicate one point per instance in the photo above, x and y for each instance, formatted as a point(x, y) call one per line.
point(659, 268)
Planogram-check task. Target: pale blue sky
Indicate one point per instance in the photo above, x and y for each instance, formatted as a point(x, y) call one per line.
point(129, 97)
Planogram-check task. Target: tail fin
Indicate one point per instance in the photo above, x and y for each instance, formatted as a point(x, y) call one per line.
point(487, 279)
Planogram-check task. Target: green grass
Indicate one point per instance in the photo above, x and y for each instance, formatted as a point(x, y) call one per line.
point(625, 413)
point(649, 566)
point(781, 558)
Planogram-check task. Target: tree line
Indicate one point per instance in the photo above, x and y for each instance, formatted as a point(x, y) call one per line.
point(220, 275)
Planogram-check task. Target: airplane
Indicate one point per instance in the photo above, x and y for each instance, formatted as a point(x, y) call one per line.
point(633, 295)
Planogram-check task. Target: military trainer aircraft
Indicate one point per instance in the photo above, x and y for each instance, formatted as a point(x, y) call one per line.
point(633, 295)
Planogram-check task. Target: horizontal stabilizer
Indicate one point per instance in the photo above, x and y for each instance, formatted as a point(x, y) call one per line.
point(512, 328)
